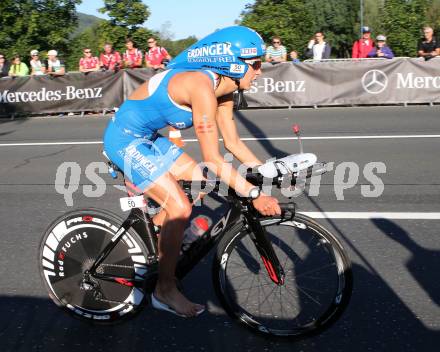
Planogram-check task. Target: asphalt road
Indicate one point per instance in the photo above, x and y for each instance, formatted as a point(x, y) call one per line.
point(396, 298)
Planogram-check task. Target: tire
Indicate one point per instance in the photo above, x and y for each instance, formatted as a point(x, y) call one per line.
point(70, 246)
point(318, 278)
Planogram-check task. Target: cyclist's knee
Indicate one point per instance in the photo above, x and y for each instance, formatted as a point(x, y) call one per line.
point(180, 209)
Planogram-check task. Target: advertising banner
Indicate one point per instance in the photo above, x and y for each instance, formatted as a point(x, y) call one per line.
point(355, 82)
point(72, 92)
point(347, 83)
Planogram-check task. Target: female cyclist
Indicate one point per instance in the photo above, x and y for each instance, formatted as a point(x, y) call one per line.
point(195, 90)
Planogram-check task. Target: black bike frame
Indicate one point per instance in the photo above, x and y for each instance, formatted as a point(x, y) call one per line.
point(240, 209)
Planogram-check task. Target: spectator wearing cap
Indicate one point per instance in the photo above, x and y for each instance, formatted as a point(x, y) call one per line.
point(4, 66)
point(157, 56)
point(276, 52)
point(37, 68)
point(318, 49)
point(362, 47)
point(294, 57)
point(88, 63)
point(132, 56)
point(18, 68)
point(54, 66)
point(428, 47)
point(110, 59)
point(382, 50)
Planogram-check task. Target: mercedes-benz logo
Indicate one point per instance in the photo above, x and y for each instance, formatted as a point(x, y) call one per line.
point(374, 81)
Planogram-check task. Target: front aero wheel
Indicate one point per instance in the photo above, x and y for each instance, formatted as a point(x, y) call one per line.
point(68, 249)
point(317, 285)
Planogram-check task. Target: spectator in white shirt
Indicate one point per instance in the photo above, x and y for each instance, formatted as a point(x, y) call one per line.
point(37, 67)
point(318, 49)
point(276, 52)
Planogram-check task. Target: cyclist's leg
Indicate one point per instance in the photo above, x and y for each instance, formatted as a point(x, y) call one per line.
point(166, 191)
point(184, 168)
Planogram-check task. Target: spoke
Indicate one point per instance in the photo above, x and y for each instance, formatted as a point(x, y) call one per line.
point(247, 297)
point(268, 295)
point(245, 274)
point(310, 289)
point(248, 288)
point(305, 247)
point(243, 282)
point(259, 304)
point(314, 270)
point(242, 251)
point(281, 304)
point(309, 296)
point(287, 256)
point(238, 264)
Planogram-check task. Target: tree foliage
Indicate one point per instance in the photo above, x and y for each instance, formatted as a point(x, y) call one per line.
point(126, 19)
point(296, 20)
point(338, 20)
point(49, 24)
point(126, 13)
point(36, 24)
point(289, 19)
point(403, 21)
point(174, 47)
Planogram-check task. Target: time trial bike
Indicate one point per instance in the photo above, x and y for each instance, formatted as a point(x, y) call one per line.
point(281, 275)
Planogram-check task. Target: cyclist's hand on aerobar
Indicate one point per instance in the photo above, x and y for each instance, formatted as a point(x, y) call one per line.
point(266, 205)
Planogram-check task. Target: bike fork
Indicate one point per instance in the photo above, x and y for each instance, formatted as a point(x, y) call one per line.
point(266, 251)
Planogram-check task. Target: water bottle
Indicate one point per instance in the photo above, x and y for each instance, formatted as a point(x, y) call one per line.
point(197, 229)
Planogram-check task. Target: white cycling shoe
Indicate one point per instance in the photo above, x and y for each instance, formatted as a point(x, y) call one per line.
point(163, 306)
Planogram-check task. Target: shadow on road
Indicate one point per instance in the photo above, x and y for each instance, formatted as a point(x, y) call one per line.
point(424, 263)
point(258, 132)
point(376, 320)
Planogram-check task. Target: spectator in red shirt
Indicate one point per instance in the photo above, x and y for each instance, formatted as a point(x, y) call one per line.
point(157, 56)
point(110, 59)
point(88, 63)
point(363, 46)
point(132, 56)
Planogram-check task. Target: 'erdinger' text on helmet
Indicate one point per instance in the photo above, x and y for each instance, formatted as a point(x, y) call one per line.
point(222, 52)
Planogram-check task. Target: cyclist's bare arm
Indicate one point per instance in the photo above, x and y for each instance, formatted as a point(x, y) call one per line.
point(204, 106)
point(228, 129)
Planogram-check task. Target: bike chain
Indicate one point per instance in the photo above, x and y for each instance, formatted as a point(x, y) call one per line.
point(116, 266)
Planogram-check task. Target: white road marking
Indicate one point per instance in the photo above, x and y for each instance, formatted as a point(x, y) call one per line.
point(373, 215)
point(31, 144)
point(47, 144)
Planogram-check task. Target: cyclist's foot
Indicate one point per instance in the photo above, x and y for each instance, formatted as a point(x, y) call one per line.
point(178, 303)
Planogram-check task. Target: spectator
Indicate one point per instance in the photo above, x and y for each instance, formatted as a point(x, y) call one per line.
point(157, 56)
point(4, 66)
point(110, 59)
point(382, 50)
point(294, 57)
point(132, 56)
point(363, 46)
point(18, 68)
point(37, 68)
point(429, 46)
point(276, 52)
point(88, 63)
point(54, 66)
point(318, 49)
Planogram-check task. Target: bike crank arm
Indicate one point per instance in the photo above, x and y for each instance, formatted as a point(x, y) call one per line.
point(266, 251)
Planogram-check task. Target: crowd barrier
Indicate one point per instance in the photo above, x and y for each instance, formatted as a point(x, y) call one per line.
point(354, 82)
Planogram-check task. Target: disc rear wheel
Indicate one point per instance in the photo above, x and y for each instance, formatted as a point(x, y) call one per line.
point(69, 248)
